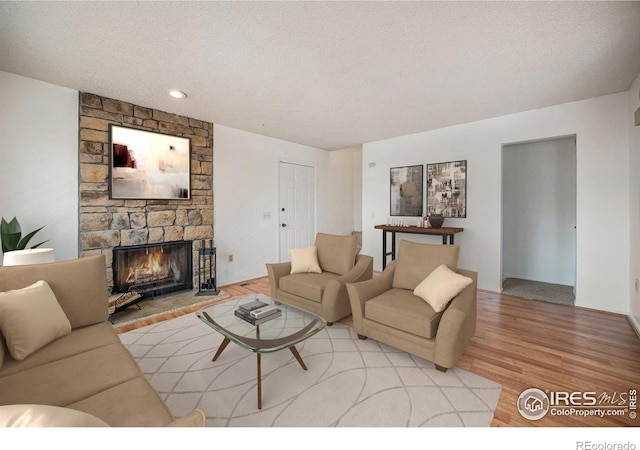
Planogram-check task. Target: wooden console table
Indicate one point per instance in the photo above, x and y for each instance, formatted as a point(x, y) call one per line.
point(443, 231)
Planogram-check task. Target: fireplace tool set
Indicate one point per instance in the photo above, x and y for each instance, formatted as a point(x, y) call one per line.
point(207, 268)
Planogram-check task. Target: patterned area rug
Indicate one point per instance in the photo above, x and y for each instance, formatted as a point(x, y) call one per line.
point(349, 382)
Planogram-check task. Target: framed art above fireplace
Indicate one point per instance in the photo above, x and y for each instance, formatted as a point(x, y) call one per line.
point(145, 165)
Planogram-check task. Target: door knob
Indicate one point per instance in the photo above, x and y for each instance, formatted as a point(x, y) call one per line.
point(283, 225)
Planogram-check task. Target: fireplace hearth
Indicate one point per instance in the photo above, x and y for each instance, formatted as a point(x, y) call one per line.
point(153, 269)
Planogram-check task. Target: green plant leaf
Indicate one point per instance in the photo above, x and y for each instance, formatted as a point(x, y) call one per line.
point(11, 235)
point(25, 240)
point(38, 245)
point(10, 227)
point(10, 241)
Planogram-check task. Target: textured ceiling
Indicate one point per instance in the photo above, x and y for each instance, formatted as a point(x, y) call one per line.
point(329, 74)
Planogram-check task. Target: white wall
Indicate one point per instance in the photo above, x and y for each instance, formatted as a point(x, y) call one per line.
point(345, 190)
point(340, 191)
point(539, 211)
point(634, 204)
point(39, 130)
point(602, 128)
point(39, 160)
point(245, 184)
point(357, 188)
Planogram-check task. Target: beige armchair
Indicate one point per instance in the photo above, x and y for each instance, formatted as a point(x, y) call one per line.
point(385, 308)
point(323, 294)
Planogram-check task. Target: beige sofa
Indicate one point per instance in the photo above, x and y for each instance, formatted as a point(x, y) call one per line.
point(88, 369)
point(324, 293)
point(386, 309)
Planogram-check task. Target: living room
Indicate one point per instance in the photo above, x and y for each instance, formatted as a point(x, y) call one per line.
point(40, 185)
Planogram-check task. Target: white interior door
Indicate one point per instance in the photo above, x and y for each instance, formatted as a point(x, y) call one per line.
point(297, 207)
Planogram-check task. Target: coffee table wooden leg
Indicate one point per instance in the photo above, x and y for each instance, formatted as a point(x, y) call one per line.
point(259, 383)
point(224, 344)
point(297, 356)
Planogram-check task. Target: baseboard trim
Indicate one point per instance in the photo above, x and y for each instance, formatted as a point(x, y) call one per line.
point(636, 327)
point(634, 324)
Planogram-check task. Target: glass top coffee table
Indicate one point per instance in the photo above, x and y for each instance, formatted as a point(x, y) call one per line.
point(285, 331)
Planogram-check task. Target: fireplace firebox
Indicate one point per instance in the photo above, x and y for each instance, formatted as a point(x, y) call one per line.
point(153, 269)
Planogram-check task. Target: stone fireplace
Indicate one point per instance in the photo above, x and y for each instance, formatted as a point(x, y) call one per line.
point(107, 224)
point(153, 269)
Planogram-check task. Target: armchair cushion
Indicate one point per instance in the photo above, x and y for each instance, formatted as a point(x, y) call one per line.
point(307, 285)
point(304, 260)
point(441, 286)
point(400, 309)
point(30, 318)
point(416, 261)
point(336, 254)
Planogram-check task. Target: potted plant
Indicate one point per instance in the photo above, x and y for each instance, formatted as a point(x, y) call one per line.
point(11, 236)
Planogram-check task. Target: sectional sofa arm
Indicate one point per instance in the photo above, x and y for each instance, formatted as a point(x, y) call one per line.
point(458, 324)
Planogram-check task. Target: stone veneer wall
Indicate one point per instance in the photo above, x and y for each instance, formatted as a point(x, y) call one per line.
point(106, 223)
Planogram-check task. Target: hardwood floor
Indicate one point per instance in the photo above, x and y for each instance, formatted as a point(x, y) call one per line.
point(524, 344)
point(530, 344)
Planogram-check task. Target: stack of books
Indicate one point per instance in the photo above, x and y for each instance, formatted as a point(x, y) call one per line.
point(257, 312)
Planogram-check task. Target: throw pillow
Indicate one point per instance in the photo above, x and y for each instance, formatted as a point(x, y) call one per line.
point(441, 286)
point(46, 416)
point(415, 261)
point(304, 260)
point(30, 318)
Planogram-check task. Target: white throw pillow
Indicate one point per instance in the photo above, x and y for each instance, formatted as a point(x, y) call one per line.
point(441, 286)
point(46, 416)
point(304, 260)
point(30, 318)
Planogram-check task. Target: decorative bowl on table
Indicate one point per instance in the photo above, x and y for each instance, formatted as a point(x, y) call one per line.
point(436, 220)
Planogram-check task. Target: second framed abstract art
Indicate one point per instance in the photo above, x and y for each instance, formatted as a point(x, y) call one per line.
point(447, 189)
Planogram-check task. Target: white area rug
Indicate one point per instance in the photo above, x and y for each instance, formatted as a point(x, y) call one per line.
point(349, 382)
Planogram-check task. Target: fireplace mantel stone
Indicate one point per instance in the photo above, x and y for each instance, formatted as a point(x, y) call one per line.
point(106, 223)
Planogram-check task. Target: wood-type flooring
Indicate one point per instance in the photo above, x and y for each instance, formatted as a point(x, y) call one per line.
point(524, 344)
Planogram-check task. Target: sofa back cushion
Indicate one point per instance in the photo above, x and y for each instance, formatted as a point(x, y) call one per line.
point(336, 254)
point(80, 285)
point(416, 261)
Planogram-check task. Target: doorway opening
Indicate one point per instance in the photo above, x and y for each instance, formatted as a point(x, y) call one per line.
point(539, 219)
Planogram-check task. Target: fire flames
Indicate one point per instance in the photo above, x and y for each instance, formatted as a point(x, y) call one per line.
point(150, 269)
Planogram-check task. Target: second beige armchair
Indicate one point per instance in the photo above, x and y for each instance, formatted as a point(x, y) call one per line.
point(388, 309)
point(323, 292)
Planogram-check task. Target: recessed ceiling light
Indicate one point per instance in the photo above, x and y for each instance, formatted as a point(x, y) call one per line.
point(177, 94)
